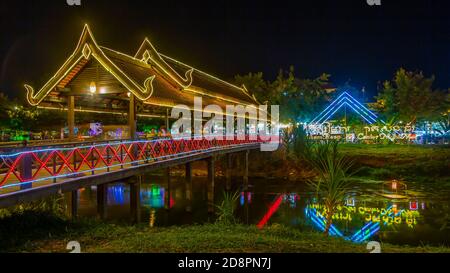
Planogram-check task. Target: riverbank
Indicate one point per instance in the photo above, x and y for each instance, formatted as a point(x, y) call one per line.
point(374, 163)
point(32, 231)
point(415, 163)
point(48, 233)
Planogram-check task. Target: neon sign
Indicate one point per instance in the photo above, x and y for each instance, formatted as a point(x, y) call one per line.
point(345, 99)
point(371, 132)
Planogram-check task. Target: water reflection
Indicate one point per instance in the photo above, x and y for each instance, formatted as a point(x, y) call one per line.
point(291, 199)
point(372, 219)
point(118, 194)
point(155, 197)
point(243, 196)
point(365, 215)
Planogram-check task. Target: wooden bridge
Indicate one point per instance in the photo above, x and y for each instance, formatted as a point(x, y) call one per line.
point(32, 173)
point(147, 84)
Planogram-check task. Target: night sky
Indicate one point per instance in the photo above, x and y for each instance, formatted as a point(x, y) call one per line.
point(350, 40)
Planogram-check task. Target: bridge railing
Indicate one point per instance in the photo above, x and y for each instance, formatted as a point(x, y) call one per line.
point(22, 168)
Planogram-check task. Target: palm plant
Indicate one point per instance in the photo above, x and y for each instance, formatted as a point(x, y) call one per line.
point(226, 209)
point(334, 173)
point(332, 167)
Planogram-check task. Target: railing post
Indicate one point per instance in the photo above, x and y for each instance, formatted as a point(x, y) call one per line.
point(107, 155)
point(26, 170)
point(146, 152)
point(210, 184)
point(102, 200)
point(134, 152)
point(75, 157)
point(121, 154)
point(54, 166)
point(188, 178)
point(92, 160)
point(135, 201)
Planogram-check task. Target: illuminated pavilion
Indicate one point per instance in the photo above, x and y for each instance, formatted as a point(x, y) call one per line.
point(101, 80)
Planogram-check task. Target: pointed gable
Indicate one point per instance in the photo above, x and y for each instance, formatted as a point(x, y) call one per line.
point(155, 79)
point(86, 49)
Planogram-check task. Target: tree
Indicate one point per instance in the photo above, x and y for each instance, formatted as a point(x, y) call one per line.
point(255, 83)
point(410, 96)
point(299, 99)
point(4, 107)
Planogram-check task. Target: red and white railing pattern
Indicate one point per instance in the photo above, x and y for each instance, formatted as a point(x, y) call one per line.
point(25, 166)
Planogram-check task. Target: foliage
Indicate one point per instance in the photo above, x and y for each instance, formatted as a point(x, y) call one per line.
point(299, 99)
point(225, 211)
point(332, 167)
point(334, 173)
point(298, 143)
point(256, 84)
point(410, 96)
point(53, 205)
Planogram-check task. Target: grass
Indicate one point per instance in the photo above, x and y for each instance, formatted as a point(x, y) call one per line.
point(98, 237)
point(31, 231)
point(412, 163)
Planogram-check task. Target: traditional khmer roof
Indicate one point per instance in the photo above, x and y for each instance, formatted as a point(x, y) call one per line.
point(153, 78)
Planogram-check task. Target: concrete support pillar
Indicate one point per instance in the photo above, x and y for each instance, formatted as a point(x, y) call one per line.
point(74, 204)
point(168, 193)
point(246, 170)
point(71, 117)
point(135, 200)
point(228, 170)
point(101, 200)
point(132, 117)
point(188, 180)
point(210, 184)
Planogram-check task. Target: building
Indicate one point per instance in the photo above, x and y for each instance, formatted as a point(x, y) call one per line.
point(98, 79)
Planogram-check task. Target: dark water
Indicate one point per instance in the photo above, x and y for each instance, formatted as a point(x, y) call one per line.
point(423, 218)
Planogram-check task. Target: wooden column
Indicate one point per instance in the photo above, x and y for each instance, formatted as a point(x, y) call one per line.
point(188, 180)
point(228, 167)
point(71, 117)
point(167, 121)
point(132, 117)
point(246, 170)
point(101, 200)
point(135, 200)
point(74, 203)
point(167, 197)
point(210, 184)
